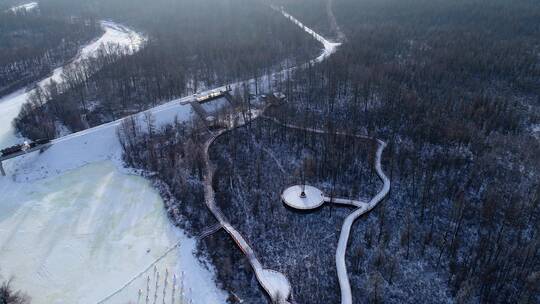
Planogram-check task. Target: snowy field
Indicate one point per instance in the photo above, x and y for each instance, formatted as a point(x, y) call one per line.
point(79, 237)
point(76, 228)
point(106, 225)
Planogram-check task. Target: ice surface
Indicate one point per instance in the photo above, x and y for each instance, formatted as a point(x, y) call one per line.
point(71, 170)
point(78, 237)
point(10, 106)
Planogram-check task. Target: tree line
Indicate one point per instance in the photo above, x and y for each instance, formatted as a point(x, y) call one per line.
point(201, 45)
point(453, 87)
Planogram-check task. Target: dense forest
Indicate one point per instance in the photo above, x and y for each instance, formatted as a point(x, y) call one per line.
point(453, 87)
point(33, 44)
point(255, 164)
point(192, 45)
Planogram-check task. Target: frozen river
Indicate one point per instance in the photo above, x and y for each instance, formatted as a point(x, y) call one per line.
point(78, 237)
point(79, 230)
point(10, 105)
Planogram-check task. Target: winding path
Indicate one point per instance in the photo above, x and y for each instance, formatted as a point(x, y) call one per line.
point(276, 285)
point(345, 285)
point(363, 208)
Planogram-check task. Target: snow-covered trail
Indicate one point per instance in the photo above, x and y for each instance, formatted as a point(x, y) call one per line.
point(10, 105)
point(344, 283)
point(27, 7)
point(329, 47)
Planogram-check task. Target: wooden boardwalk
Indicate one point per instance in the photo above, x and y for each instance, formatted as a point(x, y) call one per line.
point(276, 285)
point(363, 208)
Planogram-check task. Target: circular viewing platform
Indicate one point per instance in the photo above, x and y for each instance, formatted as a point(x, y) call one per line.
point(303, 197)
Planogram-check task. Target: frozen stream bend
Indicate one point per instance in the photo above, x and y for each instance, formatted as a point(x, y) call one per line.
point(10, 105)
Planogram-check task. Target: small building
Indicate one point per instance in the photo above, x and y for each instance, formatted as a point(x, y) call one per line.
point(212, 112)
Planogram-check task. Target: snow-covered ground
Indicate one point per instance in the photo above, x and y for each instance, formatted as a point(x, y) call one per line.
point(536, 130)
point(81, 226)
point(86, 147)
point(80, 236)
point(27, 7)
